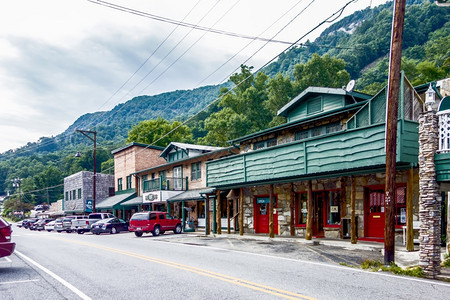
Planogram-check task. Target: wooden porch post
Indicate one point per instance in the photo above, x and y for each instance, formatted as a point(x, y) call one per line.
point(241, 211)
point(291, 207)
point(228, 217)
point(309, 215)
point(271, 231)
point(409, 211)
point(235, 210)
point(219, 213)
point(353, 204)
point(183, 214)
point(207, 228)
point(214, 218)
point(343, 201)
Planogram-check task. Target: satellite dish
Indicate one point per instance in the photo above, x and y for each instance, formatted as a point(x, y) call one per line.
point(350, 86)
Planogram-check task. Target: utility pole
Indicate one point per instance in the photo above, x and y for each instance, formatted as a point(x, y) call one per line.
point(391, 128)
point(16, 183)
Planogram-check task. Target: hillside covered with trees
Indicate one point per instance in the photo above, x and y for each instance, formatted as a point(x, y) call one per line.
point(356, 47)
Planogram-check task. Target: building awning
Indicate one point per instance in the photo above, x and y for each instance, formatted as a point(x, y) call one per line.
point(132, 202)
point(110, 202)
point(190, 195)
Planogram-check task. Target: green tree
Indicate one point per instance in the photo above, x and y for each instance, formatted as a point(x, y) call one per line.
point(323, 71)
point(281, 91)
point(244, 109)
point(159, 132)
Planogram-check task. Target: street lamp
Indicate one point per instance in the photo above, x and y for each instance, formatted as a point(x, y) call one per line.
point(92, 135)
point(429, 98)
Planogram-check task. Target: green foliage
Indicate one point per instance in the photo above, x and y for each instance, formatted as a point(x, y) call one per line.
point(446, 262)
point(378, 266)
point(323, 71)
point(159, 132)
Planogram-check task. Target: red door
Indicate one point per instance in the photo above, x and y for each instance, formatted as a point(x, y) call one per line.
point(261, 219)
point(376, 215)
point(318, 214)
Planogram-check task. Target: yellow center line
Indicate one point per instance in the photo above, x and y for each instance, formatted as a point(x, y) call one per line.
point(234, 280)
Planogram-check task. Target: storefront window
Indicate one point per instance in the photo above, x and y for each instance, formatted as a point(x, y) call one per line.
point(400, 206)
point(301, 209)
point(333, 208)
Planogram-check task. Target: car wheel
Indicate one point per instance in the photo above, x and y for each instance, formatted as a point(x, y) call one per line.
point(80, 232)
point(178, 229)
point(49, 230)
point(156, 231)
point(138, 233)
point(113, 230)
point(68, 231)
point(97, 233)
point(58, 231)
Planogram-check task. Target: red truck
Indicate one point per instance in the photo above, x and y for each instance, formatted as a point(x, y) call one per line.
point(156, 222)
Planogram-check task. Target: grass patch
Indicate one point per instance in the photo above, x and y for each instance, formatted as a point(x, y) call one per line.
point(446, 262)
point(393, 268)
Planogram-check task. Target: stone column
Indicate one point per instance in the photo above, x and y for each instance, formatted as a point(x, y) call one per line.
point(429, 200)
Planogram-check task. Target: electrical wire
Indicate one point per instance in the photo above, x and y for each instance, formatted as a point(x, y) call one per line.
point(181, 23)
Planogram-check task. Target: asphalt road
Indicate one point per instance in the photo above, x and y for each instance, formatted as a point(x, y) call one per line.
point(122, 266)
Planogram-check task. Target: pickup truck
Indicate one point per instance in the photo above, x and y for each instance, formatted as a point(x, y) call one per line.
point(84, 225)
point(155, 222)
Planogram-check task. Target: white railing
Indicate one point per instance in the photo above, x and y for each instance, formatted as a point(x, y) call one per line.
point(444, 132)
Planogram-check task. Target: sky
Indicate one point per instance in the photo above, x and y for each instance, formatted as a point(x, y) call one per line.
point(62, 59)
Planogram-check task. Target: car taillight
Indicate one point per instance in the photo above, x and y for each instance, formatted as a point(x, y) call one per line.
point(6, 232)
point(87, 222)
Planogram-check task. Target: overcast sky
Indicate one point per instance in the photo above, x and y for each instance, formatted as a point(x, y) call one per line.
point(62, 59)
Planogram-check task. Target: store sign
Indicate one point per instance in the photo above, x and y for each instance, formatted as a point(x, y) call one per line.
point(263, 200)
point(150, 197)
point(89, 205)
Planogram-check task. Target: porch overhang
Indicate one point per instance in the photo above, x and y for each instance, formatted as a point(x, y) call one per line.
point(114, 201)
point(192, 195)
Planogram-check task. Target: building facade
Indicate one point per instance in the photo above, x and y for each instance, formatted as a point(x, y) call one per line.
point(322, 173)
point(78, 191)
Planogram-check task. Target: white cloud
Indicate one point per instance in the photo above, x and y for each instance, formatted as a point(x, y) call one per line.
point(62, 59)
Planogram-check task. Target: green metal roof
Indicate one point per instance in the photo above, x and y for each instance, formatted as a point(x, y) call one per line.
point(191, 195)
point(110, 202)
point(284, 111)
point(132, 202)
point(177, 162)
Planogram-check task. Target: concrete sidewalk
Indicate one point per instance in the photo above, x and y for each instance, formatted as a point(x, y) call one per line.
point(403, 258)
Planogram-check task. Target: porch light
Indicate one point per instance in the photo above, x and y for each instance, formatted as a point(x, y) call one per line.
point(429, 98)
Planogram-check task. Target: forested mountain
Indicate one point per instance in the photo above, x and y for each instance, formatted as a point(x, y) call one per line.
point(356, 47)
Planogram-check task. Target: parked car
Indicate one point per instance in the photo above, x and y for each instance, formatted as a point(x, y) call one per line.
point(156, 222)
point(58, 225)
point(40, 225)
point(32, 225)
point(67, 222)
point(84, 225)
point(110, 225)
point(50, 226)
point(6, 246)
point(26, 223)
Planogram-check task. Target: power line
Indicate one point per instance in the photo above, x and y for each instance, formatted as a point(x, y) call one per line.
point(181, 23)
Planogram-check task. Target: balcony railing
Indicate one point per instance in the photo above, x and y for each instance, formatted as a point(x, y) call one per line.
point(166, 184)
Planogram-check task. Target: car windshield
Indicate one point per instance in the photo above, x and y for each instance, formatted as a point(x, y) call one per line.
point(142, 216)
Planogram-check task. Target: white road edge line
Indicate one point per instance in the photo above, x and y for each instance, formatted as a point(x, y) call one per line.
point(56, 277)
point(19, 281)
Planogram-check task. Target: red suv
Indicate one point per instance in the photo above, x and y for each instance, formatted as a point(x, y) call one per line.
point(156, 222)
point(6, 246)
